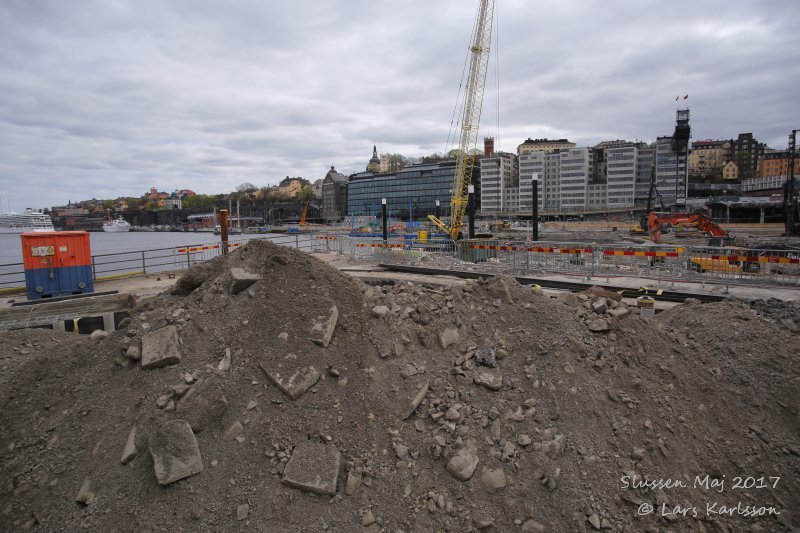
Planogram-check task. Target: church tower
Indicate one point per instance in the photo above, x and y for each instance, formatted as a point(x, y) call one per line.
point(374, 165)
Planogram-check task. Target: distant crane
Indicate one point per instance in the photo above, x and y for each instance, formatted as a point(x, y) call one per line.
point(791, 205)
point(470, 118)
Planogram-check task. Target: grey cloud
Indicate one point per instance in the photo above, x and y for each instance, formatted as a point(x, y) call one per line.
point(115, 96)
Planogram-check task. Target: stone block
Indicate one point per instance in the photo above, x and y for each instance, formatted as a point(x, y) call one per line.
point(241, 280)
point(322, 331)
point(203, 404)
point(161, 348)
point(314, 467)
point(292, 382)
point(175, 452)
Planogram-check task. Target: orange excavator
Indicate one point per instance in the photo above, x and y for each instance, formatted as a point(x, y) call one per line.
point(656, 223)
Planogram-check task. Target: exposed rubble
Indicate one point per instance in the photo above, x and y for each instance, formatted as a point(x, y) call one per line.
point(307, 401)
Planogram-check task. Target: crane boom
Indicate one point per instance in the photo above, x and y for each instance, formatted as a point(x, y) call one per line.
point(470, 116)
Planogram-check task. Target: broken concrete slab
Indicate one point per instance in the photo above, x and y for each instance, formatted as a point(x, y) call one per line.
point(203, 404)
point(293, 383)
point(462, 465)
point(86, 493)
point(490, 380)
point(500, 287)
point(619, 312)
point(161, 348)
point(175, 452)
point(322, 331)
point(241, 280)
point(313, 467)
point(129, 451)
point(599, 306)
point(598, 326)
point(448, 336)
point(412, 392)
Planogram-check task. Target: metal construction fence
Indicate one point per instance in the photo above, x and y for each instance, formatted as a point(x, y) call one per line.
point(726, 265)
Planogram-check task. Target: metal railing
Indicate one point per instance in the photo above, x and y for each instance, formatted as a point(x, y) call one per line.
point(121, 264)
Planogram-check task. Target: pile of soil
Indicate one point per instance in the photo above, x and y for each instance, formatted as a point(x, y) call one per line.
point(318, 403)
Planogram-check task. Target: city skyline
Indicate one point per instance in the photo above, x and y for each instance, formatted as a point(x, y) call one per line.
point(121, 98)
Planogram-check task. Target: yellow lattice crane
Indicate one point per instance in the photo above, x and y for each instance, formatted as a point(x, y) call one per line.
point(470, 118)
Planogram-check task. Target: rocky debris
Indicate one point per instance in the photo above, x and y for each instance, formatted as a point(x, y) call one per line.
point(203, 404)
point(448, 337)
point(293, 384)
point(462, 465)
point(574, 410)
point(599, 306)
point(195, 277)
point(489, 379)
point(313, 467)
point(161, 348)
point(175, 452)
point(241, 280)
point(322, 331)
point(380, 311)
point(129, 451)
point(499, 287)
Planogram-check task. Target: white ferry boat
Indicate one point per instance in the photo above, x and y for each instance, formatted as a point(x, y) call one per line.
point(31, 220)
point(119, 225)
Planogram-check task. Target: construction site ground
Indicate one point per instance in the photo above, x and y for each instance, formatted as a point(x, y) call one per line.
point(268, 390)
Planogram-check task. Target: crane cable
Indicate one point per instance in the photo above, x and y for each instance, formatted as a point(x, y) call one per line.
point(456, 118)
point(497, 71)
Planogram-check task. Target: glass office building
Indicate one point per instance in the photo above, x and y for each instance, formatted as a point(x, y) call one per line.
point(410, 193)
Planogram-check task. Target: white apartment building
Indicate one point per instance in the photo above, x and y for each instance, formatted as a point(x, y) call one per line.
point(575, 174)
point(499, 183)
point(531, 164)
point(621, 175)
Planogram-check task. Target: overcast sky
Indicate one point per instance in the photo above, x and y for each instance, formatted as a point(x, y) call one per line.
point(106, 98)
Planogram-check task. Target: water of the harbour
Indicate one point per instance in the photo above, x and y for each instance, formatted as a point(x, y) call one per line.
point(108, 243)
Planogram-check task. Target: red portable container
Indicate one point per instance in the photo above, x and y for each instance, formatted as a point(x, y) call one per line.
point(57, 263)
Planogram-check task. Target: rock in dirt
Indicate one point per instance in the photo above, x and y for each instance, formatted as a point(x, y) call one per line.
point(493, 479)
point(99, 334)
point(203, 404)
point(353, 481)
point(175, 452)
point(161, 348)
point(292, 383)
point(242, 511)
point(193, 278)
point(448, 336)
point(225, 363)
point(129, 451)
point(322, 331)
point(490, 380)
point(232, 432)
point(86, 493)
point(484, 356)
point(314, 467)
point(462, 465)
point(500, 287)
point(598, 325)
point(411, 396)
point(133, 352)
point(241, 280)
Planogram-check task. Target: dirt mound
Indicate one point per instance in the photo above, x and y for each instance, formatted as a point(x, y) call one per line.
point(282, 395)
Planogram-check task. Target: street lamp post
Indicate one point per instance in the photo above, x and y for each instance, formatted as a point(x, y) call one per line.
point(535, 222)
point(385, 222)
